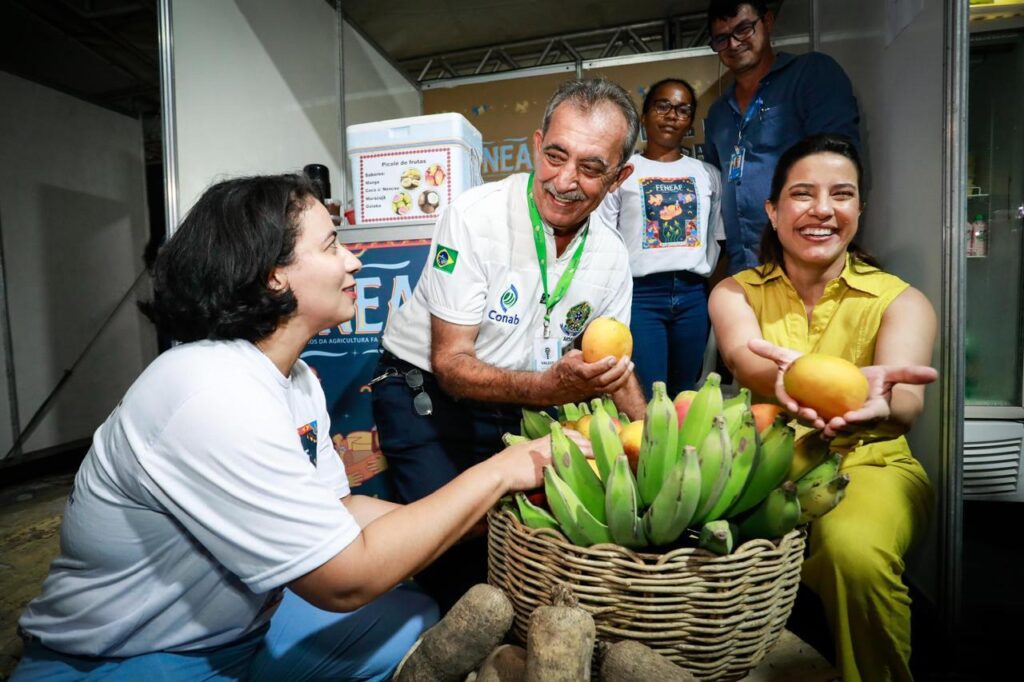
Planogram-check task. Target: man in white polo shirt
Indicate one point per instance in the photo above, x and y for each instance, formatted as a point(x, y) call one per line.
point(516, 270)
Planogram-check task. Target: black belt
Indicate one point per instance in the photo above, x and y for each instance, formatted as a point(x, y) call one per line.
point(389, 359)
point(681, 275)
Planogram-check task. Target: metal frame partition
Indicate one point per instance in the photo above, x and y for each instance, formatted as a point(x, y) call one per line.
point(165, 24)
point(954, 289)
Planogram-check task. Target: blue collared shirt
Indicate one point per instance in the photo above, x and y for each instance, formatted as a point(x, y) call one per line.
point(800, 95)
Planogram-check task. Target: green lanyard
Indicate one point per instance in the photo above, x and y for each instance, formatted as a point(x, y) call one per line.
point(549, 301)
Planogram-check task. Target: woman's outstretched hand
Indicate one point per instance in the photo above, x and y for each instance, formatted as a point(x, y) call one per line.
point(876, 408)
point(523, 464)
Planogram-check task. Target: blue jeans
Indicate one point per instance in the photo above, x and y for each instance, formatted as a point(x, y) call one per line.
point(670, 327)
point(424, 452)
point(301, 643)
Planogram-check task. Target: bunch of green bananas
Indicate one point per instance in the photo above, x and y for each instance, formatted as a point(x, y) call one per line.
point(714, 473)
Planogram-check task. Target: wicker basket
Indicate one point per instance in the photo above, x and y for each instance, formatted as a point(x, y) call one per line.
point(715, 616)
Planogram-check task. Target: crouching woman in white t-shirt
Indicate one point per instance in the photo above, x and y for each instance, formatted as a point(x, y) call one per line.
point(213, 485)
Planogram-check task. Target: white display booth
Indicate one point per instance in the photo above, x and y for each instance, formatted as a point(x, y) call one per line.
point(252, 86)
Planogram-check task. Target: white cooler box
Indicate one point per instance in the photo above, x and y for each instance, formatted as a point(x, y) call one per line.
point(408, 169)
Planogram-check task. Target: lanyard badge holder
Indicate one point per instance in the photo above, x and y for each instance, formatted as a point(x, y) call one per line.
point(738, 150)
point(546, 349)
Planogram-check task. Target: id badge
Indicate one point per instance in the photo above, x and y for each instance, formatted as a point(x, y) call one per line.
point(736, 163)
point(546, 352)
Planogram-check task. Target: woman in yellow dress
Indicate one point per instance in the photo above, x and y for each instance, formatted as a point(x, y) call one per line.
point(817, 292)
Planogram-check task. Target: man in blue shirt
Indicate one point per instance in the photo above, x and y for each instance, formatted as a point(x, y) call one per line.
point(777, 99)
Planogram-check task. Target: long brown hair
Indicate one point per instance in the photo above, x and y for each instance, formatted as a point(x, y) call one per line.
point(771, 247)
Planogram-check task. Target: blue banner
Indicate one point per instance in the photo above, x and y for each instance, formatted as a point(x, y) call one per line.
point(345, 356)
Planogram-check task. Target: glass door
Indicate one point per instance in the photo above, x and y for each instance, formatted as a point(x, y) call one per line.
point(995, 227)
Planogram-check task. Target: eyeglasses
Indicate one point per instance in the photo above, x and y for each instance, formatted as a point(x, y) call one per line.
point(422, 403)
point(742, 32)
point(663, 106)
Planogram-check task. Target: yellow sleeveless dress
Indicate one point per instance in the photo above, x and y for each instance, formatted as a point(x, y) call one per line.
point(855, 561)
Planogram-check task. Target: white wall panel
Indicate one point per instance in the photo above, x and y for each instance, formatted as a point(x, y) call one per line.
point(374, 89)
point(901, 90)
point(256, 90)
point(73, 211)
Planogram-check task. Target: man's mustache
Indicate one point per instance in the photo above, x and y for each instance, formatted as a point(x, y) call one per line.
point(574, 195)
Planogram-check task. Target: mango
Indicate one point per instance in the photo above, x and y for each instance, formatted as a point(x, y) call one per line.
point(682, 403)
point(583, 425)
point(830, 385)
point(606, 336)
point(631, 436)
point(764, 414)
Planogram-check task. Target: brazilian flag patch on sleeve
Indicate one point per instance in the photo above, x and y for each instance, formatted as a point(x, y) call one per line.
point(445, 259)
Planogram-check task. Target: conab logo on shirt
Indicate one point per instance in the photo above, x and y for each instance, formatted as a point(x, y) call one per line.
point(508, 299)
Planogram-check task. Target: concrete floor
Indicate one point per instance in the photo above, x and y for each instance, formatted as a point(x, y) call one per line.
point(31, 509)
point(30, 515)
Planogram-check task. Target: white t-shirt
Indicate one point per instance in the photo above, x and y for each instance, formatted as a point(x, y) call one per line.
point(210, 486)
point(669, 215)
point(483, 271)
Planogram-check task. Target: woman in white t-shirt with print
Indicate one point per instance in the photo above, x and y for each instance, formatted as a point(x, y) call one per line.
point(668, 215)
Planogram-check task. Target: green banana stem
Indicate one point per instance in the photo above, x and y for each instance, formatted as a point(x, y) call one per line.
point(659, 447)
point(578, 524)
point(622, 506)
point(715, 455)
point(734, 415)
point(746, 458)
point(809, 451)
point(572, 467)
point(775, 460)
point(674, 507)
point(533, 516)
point(536, 424)
point(603, 439)
point(706, 405)
point(741, 398)
point(718, 537)
point(610, 407)
point(513, 439)
point(819, 500)
point(821, 474)
point(775, 516)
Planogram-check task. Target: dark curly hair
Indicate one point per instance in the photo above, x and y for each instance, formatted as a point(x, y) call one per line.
point(771, 247)
point(210, 278)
